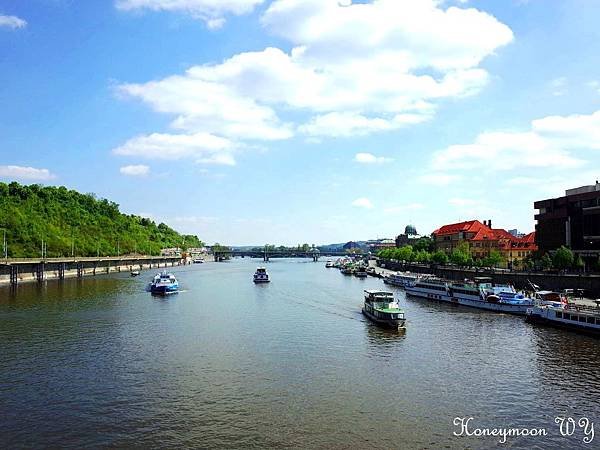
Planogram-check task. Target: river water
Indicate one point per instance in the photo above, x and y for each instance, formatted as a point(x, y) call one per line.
point(225, 363)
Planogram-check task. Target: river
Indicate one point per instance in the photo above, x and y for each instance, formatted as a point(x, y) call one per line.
point(225, 363)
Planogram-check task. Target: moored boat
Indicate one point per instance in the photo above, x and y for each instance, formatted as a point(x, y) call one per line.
point(382, 308)
point(261, 275)
point(347, 269)
point(164, 284)
point(134, 273)
point(329, 264)
point(580, 318)
point(403, 279)
point(198, 260)
point(360, 272)
point(479, 293)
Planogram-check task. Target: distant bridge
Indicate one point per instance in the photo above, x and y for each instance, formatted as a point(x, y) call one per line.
point(266, 255)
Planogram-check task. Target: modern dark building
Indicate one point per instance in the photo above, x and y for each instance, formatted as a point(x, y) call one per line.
point(572, 220)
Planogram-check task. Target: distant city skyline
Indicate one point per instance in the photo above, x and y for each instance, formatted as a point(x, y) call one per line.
point(304, 121)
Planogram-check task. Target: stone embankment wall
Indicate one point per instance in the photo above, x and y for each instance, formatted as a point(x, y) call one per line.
point(28, 272)
point(552, 282)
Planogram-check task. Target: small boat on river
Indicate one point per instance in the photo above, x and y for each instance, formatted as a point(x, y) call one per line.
point(360, 272)
point(261, 275)
point(164, 284)
point(329, 264)
point(382, 308)
point(347, 269)
point(134, 273)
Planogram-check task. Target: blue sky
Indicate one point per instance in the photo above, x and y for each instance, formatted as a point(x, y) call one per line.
point(292, 121)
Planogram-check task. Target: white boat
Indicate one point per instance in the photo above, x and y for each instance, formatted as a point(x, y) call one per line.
point(329, 264)
point(198, 260)
point(403, 279)
point(382, 308)
point(431, 288)
point(566, 315)
point(261, 275)
point(164, 284)
point(480, 293)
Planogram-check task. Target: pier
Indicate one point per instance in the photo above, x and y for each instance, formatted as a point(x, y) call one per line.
point(15, 271)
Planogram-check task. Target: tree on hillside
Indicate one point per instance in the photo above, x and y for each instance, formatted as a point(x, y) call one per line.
point(67, 221)
point(563, 258)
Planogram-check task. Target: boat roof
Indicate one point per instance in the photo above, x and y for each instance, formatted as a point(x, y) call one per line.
point(375, 291)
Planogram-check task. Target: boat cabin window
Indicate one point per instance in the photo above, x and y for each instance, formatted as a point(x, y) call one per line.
point(567, 316)
point(559, 315)
point(591, 320)
point(582, 319)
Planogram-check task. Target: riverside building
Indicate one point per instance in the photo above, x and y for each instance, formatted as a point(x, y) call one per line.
point(572, 221)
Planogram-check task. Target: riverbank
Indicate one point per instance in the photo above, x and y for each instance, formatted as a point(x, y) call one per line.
point(18, 271)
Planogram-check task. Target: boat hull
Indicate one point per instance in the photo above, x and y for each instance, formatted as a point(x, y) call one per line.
point(539, 319)
point(261, 281)
point(387, 323)
point(164, 290)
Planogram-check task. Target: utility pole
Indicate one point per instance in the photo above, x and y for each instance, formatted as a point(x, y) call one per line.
point(5, 247)
point(72, 244)
point(118, 248)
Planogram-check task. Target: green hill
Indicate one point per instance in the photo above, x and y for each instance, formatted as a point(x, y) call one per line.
point(59, 216)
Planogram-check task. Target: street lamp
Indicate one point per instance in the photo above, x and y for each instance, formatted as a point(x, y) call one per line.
point(5, 246)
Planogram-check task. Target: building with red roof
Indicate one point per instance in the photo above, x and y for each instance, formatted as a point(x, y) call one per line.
point(482, 239)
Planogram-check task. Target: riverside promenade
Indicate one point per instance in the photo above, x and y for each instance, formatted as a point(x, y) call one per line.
point(19, 270)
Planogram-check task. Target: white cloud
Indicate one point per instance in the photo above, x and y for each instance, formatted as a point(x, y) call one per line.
point(549, 143)
point(346, 124)
point(205, 148)
point(594, 84)
point(135, 170)
point(25, 173)
point(369, 158)
point(13, 22)
point(418, 33)
point(212, 12)
point(558, 86)
point(357, 69)
point(362, 202)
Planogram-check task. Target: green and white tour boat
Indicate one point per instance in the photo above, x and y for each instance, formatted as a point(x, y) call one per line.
point(383, 309)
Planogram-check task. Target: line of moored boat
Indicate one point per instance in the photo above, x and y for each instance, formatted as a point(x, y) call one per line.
point(538, 306)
